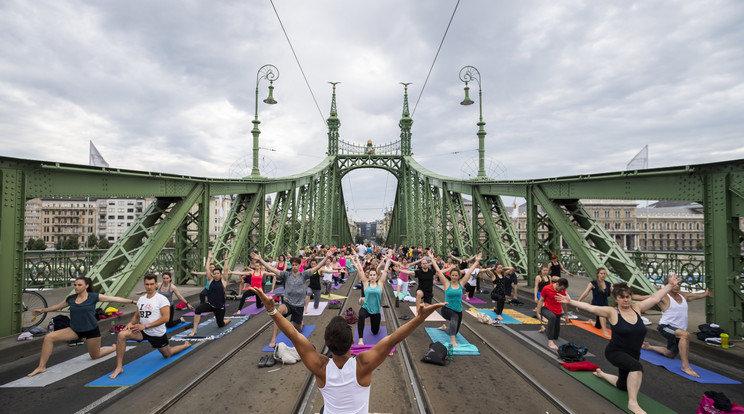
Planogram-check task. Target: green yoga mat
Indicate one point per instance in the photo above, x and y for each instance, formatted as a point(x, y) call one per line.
point(616, 396)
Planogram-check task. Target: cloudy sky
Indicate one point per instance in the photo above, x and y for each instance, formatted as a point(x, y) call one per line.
point(569, 87)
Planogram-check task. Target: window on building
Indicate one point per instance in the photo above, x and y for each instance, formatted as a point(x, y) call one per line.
point(607, 213)
point(617, 213)
point(596, 213)
point(120, 217)
point(627, 213)
point(607, 226)
point(667, 226)
point(627, 226)
point(653, 226)
point(617, 226)
point(697, 226)
point(682, 225)
point(675, 226)
point(130, 210)
point(130, 217)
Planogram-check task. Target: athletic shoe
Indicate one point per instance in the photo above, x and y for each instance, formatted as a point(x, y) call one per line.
point(572, 315)
point(496, 322)
point(76, 342)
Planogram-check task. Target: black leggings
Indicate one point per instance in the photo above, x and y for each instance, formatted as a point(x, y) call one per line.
point(554, 323)
point(374, 322)
point(171, 323)
point(246, 295)
point(625, 362)
point(500, 299)
point(219, 314)
point(454, 318)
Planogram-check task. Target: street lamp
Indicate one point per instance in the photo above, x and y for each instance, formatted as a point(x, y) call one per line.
point(469, 74)
point(270, 73)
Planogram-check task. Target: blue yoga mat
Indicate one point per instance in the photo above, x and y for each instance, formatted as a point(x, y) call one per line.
point(306, 331)
point(138, 370)
point(675, 366)
point(492, 314)
point(464, 348)
point(168, 330)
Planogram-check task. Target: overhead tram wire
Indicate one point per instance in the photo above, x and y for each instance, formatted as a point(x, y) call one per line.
point(298, 63)
point(435, 58)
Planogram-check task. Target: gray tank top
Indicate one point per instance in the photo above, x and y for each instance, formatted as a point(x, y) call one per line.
point(168, 294)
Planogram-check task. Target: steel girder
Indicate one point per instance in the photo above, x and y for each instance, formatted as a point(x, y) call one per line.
point(593, 246)
point(11, 249)
point(455, 224)
point(724, 244)
point(494, 234)
point(241, 231)
point(274, 239)
point(124, 263)
point(191, 248)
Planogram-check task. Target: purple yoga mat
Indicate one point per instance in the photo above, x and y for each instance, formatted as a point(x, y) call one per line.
point(473, 301)
point(369, 337)
point(358, 349)
point(250, 310)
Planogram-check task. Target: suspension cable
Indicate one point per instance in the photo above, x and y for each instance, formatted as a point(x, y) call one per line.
point(435, 59)
point(298, 63)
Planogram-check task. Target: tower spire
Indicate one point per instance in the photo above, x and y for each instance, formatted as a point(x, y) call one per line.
point(333, 124)
point(405, 124)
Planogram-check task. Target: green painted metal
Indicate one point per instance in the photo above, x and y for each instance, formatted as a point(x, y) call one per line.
point(494, 233)
point(12, 210)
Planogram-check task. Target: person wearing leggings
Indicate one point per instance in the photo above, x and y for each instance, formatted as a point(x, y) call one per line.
point(314, 287)
point(498, 294)
point(372, 281)
point(549, 307)
point(452, 311)
point(252, 277)
point(214, 300)
point(628, 332)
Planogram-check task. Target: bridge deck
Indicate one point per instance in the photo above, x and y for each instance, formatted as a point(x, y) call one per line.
point(474, 383)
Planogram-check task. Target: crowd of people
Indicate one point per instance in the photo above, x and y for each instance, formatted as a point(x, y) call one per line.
point(313, 272)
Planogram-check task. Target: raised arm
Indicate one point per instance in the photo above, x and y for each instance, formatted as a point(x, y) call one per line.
point(565, 300)
point(696, 296)
point(104, 298)
point(61, 305)
point(438, 272)
point(384, 273)
point(270, 268)
point(586, 292)
point(179, 296)
point(477, 258)
point(368, 361)
point(648, 303)
point(310, 357)
point(320, 263)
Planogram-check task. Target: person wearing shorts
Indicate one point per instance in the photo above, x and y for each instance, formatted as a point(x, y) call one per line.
point(83, 323)
point(295, 290)
point(147, 324)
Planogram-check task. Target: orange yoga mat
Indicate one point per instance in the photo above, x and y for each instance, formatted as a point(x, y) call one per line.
point(589, 326)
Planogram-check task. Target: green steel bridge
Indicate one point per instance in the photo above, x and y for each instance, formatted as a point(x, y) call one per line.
point(428, 210)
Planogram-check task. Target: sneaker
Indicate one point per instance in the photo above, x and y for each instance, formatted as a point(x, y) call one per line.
point(572, 315)
point(496, 322)
point(76, 342)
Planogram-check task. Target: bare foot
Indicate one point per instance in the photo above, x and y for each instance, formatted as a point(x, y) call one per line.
point(455, 344)
point(499, 317)
point(552, 345)
point(272, 344)
point(37, 371)
point(116, 372)
point(635, 408)
point(443, 328)
point(192, 333)
point(690, 372)
point(361, 341)
point(542, 330)
point(607, 334)
point(227, 320)
point(646, 345)
point(187, 343)
point(598, 373)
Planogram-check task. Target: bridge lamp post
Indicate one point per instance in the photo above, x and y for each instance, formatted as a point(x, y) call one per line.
point(270, 73)
point(469, 74)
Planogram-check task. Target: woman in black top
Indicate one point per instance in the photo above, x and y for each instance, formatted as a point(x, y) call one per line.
point(628, 332)
point(314, 286)
point(556, 267)
point(214, 299)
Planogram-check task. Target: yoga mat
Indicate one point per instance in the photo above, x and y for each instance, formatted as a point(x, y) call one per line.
point(522, 318)
point(358, 349)
point(369, 337)
point(332, 296)
point(434, 317)
point(311, 311)
point(464, 348)
point(250, 310)
point(205, 313)
point(253, 298)
point(541, 339)
point(306, 331)
point(208, 330)
point(59, 371)
point(473, 301)
point(614, 395)
point(506, 318)
point(532, 315)
point(138, 369)
point(675, 366)
point(589, 326)
point(167, 330)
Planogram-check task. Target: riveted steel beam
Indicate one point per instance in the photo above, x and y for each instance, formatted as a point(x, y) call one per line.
point(12, 207)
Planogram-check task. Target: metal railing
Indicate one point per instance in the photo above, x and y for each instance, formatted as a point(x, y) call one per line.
point(59, 268)
point(348, 148)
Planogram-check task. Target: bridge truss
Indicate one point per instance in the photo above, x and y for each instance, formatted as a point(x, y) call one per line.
point(429, 210)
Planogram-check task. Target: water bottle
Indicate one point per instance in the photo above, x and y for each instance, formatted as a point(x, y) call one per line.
point(51, 329)
point(724, 340)
point(450, 352)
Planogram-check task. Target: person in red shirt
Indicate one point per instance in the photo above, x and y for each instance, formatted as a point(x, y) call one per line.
point(552, 310)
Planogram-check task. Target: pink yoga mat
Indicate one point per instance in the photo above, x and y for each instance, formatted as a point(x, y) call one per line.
point(358, 349)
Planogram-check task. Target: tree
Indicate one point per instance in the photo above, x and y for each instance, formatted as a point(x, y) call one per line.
point(39, 244)
point(92, 241)
point(30, 243)
point(103, 244)
point(71, 243)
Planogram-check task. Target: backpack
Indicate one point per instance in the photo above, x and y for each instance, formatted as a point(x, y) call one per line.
point(351, 316)
point(61, 322)
point(287, 354)
point(437, 354)
point(572, 353)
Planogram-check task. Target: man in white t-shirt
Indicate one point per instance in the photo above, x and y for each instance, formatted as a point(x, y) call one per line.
point(470, 286)
point(148, 324)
